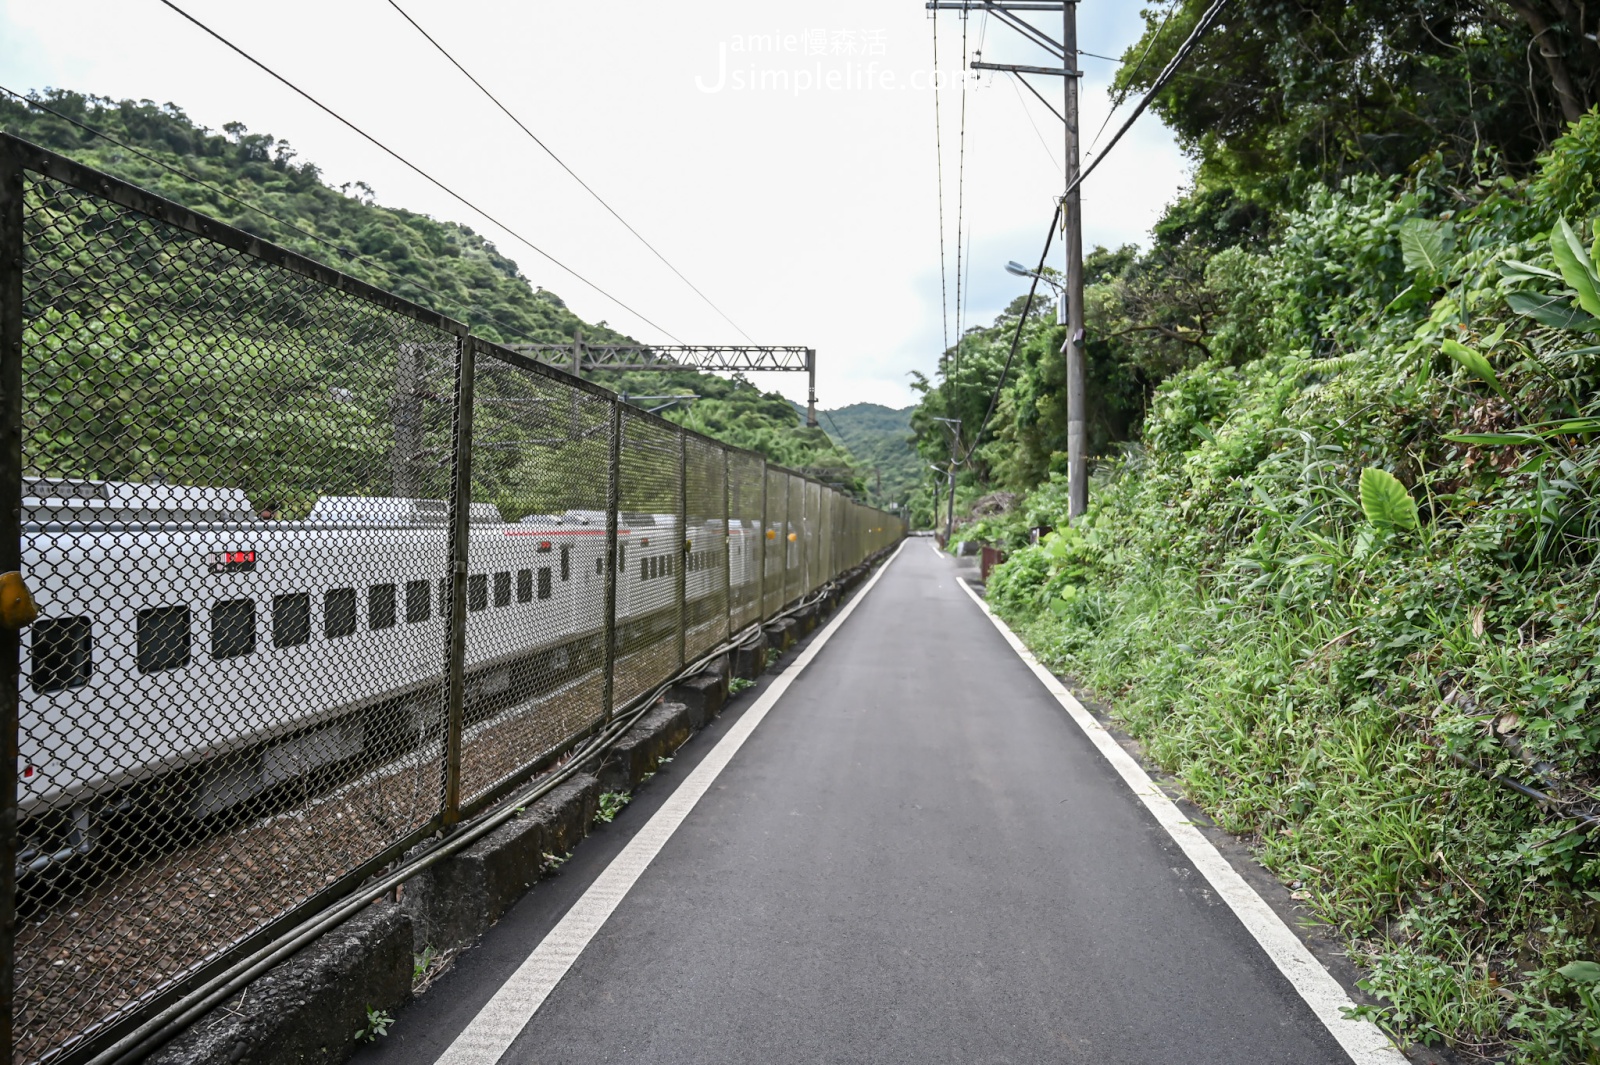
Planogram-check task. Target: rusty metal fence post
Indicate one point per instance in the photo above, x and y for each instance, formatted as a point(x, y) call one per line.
point(727, 538)
point(608, 690)
point(460, 513)
point(680, 555)
point(11, 248)
point(766, 525)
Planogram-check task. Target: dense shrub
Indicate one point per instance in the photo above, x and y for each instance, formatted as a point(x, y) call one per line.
point(1342, 685)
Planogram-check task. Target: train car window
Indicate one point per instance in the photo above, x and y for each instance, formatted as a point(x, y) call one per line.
point(599, 566)
point(163, 638)
point(502, 589)
point(291, 619)
point(233, 628)
point(62, 655)
point(339, 613)
point(544, 582)
point(416, 602)
point(566, 562)
point(524, 585)
point(644, 568)
point(381, 606)
point(478, 592)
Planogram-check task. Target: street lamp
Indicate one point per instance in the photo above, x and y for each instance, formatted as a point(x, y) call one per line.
point(950, 511)
point(1061, 292)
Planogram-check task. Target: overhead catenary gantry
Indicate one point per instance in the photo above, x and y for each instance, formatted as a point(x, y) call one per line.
point(580, 357)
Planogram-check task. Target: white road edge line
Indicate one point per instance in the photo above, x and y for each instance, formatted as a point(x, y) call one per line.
point(1364, 1041)
point(504, 1016)
point(934, 547)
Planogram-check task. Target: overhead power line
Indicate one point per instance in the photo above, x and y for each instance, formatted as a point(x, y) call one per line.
point(938, 156)
point(1166, 75)
point(375, 142)
point(188, 175)
point(1154, 37)
point(961, 187)
point(573, 174)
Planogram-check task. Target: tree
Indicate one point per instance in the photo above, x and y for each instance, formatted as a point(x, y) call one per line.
point(1282, 92)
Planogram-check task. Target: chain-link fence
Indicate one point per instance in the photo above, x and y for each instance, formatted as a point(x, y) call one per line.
point(318, 574)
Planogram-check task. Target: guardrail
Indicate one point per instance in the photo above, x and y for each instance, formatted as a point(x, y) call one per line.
point(318, 573)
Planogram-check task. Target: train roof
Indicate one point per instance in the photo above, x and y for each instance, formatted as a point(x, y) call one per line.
point(64, 499)
point(385, 510)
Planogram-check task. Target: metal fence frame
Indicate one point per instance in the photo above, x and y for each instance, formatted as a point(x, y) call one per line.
point(816, 532)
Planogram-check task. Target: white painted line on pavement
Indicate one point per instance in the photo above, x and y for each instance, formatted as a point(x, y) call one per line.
point(1362, 1040)
point(934, 547)
point(504, 1016)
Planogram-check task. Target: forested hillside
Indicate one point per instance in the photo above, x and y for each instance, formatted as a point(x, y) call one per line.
point(440, 264)
point(879, 439)
point(1339, 571)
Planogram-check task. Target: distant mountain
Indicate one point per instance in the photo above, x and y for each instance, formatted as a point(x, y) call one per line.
point(879, 438)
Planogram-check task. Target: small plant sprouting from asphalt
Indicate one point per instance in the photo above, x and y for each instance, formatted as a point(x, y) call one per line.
point(554, 862)
point(773, 654)
point(420, 964)
point(378, 1022)
point(739, 684)
point(611, 804)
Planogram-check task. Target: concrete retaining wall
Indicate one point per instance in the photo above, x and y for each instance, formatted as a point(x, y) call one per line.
point(311, 1007)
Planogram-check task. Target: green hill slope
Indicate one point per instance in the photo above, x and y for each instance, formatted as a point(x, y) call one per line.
point(880, 439)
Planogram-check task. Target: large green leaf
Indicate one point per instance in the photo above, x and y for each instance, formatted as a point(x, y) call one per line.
point(1572, 258)
point(1556, 311)
point(1474, 363)
point(1584, 972)
point(1424, 245)
point(1385, 500)
point(1516, 270)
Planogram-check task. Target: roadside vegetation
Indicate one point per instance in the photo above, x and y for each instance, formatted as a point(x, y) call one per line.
point(1339, 572)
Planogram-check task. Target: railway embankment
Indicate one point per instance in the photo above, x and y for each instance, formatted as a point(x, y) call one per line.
point(321, 1004)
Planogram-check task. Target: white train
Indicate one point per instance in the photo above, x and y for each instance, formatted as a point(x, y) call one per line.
point(184, 640)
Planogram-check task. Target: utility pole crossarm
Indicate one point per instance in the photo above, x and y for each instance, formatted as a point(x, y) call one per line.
point(1017, 68)
point(997, 5)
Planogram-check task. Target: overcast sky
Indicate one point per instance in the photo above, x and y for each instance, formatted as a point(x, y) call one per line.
point(780, 155)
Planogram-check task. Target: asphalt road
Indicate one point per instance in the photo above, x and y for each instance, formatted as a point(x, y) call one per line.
point(917, 857)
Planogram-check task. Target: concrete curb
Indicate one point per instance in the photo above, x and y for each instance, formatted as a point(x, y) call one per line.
point(309, 1008)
